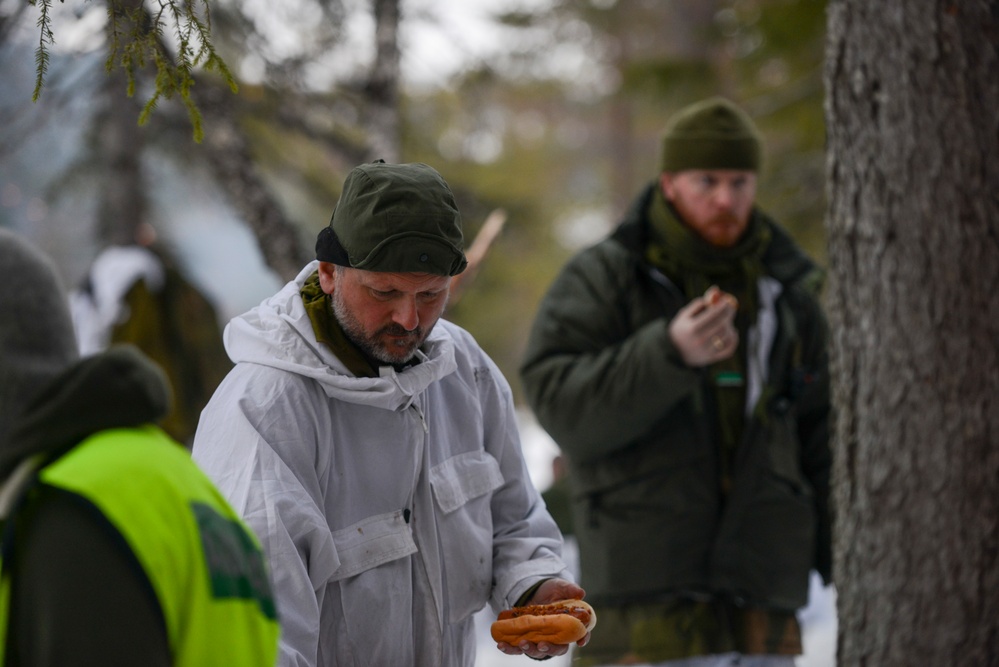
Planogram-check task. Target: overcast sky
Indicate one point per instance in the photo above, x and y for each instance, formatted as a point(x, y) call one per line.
point(453, 32)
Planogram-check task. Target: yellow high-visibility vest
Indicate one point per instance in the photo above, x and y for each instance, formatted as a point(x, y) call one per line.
point(205, 566)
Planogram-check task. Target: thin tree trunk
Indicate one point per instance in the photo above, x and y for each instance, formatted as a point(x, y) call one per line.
point(913, 222)
point(621, 126)
point(228, 152)
point(383, 86)
point(122, 203)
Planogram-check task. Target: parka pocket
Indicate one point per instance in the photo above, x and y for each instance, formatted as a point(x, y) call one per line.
point(372, 542)
point(777, 539)
point(462, 487)
point(464, 477)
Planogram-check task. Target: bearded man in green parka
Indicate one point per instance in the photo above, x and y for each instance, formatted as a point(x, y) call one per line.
point(682, 366)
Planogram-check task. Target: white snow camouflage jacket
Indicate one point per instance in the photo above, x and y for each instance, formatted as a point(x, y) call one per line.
point(390, 509)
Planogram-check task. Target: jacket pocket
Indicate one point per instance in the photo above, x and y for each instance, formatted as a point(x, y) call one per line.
point(462, 487)
point(464, 477)
point(372, 542)
point(776, 545)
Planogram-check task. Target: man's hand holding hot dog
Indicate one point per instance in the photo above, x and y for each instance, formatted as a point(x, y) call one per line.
point(552, 590)
point(704, 330)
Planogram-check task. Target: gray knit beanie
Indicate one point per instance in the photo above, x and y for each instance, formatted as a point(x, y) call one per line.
point(711, 134)
point(36, 332)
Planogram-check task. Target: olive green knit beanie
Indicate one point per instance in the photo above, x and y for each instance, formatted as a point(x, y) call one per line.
point(396, 218)
point(711, 134)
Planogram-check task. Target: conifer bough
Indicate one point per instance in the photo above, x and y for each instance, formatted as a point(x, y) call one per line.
point(137, 37)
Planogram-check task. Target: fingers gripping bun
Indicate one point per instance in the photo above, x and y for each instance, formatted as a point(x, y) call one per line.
point(562, 622)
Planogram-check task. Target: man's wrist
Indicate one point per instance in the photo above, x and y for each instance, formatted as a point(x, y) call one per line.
point(527, 595)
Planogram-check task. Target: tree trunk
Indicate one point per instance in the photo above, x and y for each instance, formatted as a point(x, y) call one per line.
point(228, 152)
point(382, 89)
point(122, 203)
point(913, 222)
point(621, 120)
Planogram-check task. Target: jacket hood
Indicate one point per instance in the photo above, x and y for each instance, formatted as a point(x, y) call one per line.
point(278, 334)
point(36, 332)
point(119, 388)
point(784, 259)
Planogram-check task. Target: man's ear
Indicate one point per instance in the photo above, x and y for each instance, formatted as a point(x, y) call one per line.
point(666, 185)
point(327, 276)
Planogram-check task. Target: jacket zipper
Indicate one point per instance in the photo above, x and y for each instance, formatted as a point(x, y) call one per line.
point(407, 511)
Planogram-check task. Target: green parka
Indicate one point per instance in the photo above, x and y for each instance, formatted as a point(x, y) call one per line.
point(605, 380)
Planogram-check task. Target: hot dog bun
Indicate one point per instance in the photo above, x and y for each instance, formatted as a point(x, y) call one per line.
point(562, 622)
point(715, 296)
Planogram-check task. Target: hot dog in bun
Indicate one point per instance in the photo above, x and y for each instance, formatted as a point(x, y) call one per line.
point(562, 622)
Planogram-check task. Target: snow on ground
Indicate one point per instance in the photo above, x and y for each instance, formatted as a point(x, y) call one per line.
point(819, 626)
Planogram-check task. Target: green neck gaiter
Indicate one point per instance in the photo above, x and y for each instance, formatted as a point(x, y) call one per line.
point(694, 265)
point(329, 332)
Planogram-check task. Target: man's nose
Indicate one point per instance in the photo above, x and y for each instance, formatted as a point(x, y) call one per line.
point(406, 313)
point(724, 196)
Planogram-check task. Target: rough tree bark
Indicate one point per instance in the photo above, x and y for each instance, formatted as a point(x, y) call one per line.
point(913, 222)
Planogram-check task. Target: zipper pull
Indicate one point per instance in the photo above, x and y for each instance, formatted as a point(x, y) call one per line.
point(426, 428)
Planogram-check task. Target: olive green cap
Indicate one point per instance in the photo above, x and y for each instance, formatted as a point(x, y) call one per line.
point(396, 218)
point(711, 134)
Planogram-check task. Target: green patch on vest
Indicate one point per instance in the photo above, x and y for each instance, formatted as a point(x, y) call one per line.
point(235, 563)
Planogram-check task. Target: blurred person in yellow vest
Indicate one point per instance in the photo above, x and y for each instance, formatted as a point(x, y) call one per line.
point(116, 550)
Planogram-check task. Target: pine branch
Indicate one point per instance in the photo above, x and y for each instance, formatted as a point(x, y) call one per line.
point(136, 38)
point(45, 40)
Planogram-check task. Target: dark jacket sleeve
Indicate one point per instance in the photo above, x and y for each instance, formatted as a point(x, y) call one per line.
point(813, 431)
point(78, 595)
point(597, 374)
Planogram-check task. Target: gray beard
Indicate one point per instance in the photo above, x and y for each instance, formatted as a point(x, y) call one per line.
point(368, 344)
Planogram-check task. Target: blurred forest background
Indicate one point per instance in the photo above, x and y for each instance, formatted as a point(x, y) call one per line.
point(546, 110)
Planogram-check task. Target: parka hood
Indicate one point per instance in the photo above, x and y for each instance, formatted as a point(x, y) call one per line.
point(119, 388)
point(36, 332)
point(278, 334)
